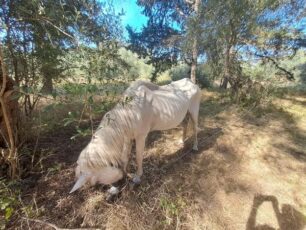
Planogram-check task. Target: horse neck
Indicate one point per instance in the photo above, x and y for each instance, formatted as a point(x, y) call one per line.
point(119, 122)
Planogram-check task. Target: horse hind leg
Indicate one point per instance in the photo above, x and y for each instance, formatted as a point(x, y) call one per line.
point(184, 126)
point(195, 132)
point(194, 114)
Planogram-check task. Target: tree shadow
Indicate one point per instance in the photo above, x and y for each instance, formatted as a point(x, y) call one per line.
point(294, 100)
point(165, 164)
point(161, 164)
point(158, 168)
point(153, 137)
point(212, 105)
point(292, 151)
point(288, 126)
point(288, 217)
point(262, 115)
point(302, 68)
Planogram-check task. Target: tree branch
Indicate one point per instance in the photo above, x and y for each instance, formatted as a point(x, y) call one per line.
point(59, 29)
point(54, 226)
point(4, 77)
point(288, 74)
point(51, 24)
point(189, 2)
point(12, 148)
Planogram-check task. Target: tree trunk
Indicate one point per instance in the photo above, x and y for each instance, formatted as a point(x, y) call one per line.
point(194, 61)
point(226, 77)
point(224, 83)
point(47, 85)
point(195, 46)
point(8, 119)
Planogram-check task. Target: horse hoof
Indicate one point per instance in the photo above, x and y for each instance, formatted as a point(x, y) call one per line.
point(110, 198)
point(113, 190)
point(181, 143)
point(136, 180)
point(133, 186)
point(112, 194)
point(199, 130)
point(195, 148)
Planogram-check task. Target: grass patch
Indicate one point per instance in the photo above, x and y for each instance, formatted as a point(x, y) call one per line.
point(172, 209)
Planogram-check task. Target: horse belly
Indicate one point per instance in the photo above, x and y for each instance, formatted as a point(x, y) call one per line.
point(164, 124)
point(168, 116)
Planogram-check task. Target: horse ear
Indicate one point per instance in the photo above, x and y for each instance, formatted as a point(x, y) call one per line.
point(80, 182)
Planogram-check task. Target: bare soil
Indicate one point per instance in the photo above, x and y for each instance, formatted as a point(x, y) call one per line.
point(249, 173)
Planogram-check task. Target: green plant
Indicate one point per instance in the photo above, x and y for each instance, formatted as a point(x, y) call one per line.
point(93, 100)
point(8, 202)
point(183, 71)
point(55, 168)
point(171, 208)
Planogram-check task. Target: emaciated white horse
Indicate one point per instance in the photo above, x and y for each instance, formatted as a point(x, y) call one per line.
point(104, 160)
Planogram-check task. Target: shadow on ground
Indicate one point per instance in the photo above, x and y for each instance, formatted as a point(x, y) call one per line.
point(285, 125)
point(87, 206)
point(288, 217)
point(178, 183)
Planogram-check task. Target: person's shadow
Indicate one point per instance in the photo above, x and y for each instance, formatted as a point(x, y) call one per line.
point(288, 218)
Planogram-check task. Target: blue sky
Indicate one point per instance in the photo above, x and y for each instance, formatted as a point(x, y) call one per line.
point(132, 16)
point(136, 19)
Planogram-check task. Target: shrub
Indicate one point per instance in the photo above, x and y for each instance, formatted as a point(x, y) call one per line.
point(182, 71)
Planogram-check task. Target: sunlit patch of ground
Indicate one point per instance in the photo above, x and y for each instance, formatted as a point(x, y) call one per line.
point(248, 174)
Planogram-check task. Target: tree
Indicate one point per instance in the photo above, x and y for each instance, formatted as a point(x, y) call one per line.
point(36, 35)
point(194, 59)
point(8, 119)
point(241, 29)
point(43, 31)
point(164, 37)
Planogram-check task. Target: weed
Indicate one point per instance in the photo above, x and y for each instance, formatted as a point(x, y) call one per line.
point(171, 208)
point(8, 202)
point(55, 169)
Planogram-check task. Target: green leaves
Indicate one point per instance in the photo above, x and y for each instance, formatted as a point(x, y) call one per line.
point(95, 64)
point(8, 202)
point(81, 133)
point(8, 213)
point(87, 97)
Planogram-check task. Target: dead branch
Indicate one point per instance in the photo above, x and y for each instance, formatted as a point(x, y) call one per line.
point(289, 75)
point(54, 226)
point(51, 24)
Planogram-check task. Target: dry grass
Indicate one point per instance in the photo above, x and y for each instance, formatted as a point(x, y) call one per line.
point(242, 158)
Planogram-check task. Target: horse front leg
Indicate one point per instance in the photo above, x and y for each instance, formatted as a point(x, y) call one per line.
point(127, 148)
point(140, 144)
point(113, 191)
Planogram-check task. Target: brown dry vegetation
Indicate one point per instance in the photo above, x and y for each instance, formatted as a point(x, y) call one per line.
point(248, 174)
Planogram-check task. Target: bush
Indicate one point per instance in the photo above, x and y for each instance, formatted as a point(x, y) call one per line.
point(182, 71)
point(138, 67)
point(8, 202)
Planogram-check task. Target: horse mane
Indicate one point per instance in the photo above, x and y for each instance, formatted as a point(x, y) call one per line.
point(106, 145)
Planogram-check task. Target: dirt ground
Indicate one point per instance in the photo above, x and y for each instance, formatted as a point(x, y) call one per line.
point(249, 173)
